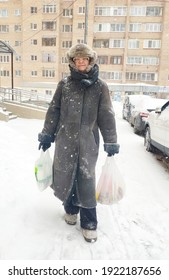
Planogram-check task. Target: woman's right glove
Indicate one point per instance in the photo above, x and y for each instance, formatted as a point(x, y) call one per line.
point(45, 140)
point(111, 148)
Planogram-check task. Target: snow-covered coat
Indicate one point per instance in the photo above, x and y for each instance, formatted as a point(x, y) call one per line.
point(77, 112)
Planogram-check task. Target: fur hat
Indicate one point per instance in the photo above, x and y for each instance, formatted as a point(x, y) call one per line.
point(81, 50)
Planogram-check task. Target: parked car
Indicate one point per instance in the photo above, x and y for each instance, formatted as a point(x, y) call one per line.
point(141, 112)
point(129, 103)
point(157, 130)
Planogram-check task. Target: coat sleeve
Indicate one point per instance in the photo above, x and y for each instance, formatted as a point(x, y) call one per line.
point(53, 112)
point(106, 116)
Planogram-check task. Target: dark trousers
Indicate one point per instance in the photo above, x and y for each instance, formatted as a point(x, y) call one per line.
point(88, 216)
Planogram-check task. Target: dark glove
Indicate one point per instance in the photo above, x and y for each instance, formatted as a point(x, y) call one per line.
point(45, 140)
point(111, 148)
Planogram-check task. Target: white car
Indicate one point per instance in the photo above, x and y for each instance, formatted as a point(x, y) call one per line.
point(157, 130)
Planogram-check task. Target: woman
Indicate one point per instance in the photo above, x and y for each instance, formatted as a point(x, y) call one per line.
point(80, 107)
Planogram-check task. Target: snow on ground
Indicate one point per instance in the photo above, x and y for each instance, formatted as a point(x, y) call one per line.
point(32, 224)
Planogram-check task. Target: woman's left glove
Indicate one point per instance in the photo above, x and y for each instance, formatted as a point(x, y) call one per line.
point(111, 148)
point(45, 140)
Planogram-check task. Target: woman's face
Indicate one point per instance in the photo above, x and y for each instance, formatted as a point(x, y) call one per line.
point(81, 63)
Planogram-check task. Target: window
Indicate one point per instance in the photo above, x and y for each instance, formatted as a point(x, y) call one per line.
point(117, 27)
point(102, 59)
point(48, 92)
point(66, 28)
point(34, 26)
point(18, 43)
point(81, 25)
point(34, 42)
point(152, 44)
point(135, 27)
point(49, 9)
point(17, 58)
point(17, 28)
point(64, 60)
point(141, 76)
point(117, 43)
point(67, 12)
point(111, 75)
point(48, 73)
point(49, 25)
point(133, 44)
point(34, 10)
point(3, 13)
point(81, 10)
point(144, 60)
point(110, 11)
point(116, 60)
point(153, 11)
point(4, 28)
point(49, 57)
point(4, 58)
point(18, 73)
point(101, 43)
point(153, 27)
point(17, 12)
point(102, 27)
point(148, 77)
point(34, 73)
point(66, 44)
point(49, 41)
point(34, 57)
point(4, 73)
point(137, 11)
point(80, 41)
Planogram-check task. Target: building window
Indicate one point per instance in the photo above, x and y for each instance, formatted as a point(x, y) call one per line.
point(3, 12)
point(17, 12)
point(67, 28)
point(81, 25)
point(34, 73)
point(34, 10)
point(135, 27)
point(18, 58)
point(152, 44)
point(34, 42)
point(81, 10)
point(117, 27)
point(144, 60)
point(18, 73)
point(153, 27)
point(4, 28)
point(18, 43)
point(4, 58)
point(80, 41)
point(49, 9)
point(148, 77)
point(111, 75)
point(133, 44)
point(49, 25)
point(102, 27)
point(48, 57)
point(141, 76)
point(66, 44)
point(102, 59)
point(67, 12)
point(17, 28)
point(110, 11)
point(117, 43)
point(34, 57)
point(49, 41)
point(48, 73)
point(48, 92)
point(34, 26)
point(101, 43)
point(64, 60)
point(116, 60)
point(153, 11)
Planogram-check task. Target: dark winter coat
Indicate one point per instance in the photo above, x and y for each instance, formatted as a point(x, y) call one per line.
point(80, 107)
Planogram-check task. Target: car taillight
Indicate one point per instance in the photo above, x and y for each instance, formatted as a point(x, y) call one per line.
point(143, 114)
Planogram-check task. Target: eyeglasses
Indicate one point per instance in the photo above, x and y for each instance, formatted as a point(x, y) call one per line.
point(78, 59)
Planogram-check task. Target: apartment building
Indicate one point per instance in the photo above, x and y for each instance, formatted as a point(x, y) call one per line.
point(131, 38)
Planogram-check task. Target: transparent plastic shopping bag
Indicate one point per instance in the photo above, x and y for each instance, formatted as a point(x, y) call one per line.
point(43, 170)
point(111, 186)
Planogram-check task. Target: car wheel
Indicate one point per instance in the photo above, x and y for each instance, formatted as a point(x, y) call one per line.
point(147, 140)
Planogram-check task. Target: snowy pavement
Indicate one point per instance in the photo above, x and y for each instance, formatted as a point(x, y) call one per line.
point(32, 225)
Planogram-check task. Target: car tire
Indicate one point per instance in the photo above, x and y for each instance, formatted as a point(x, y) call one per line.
point(147, 140)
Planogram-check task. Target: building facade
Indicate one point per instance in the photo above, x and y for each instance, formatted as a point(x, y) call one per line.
point(131, 38)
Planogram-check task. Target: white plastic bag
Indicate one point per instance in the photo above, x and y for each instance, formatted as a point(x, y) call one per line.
point(43, 170)
point(111, 187)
